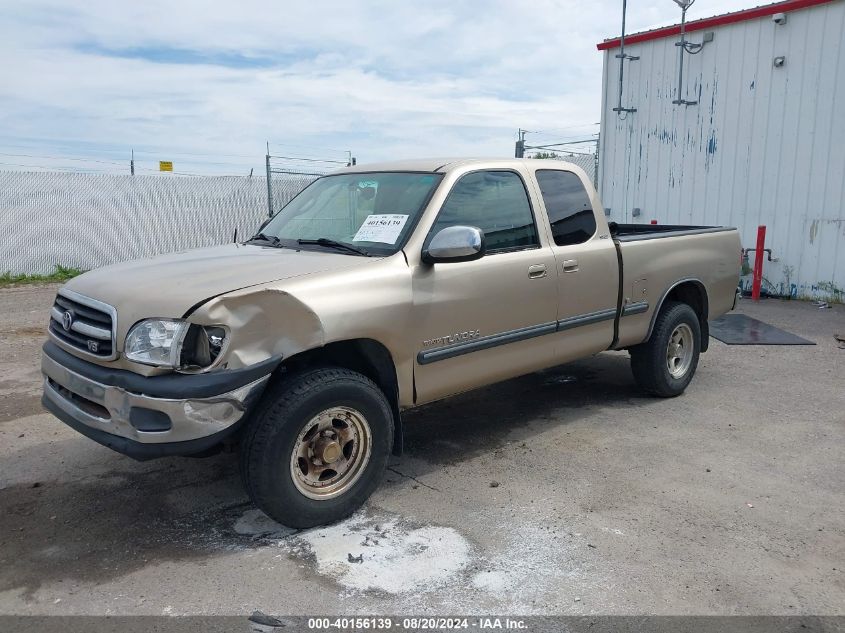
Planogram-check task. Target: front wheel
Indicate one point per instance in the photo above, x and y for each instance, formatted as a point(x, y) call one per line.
point(665, 364)
point(317, 447)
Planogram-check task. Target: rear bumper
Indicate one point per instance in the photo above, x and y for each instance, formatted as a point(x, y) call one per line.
point(147, 417)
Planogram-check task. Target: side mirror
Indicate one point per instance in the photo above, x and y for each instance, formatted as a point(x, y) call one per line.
point(455, 244)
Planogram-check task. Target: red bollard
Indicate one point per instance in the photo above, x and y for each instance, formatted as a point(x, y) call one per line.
point(757, 276)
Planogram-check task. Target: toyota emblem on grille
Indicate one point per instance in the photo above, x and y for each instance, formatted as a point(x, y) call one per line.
point(67, 320)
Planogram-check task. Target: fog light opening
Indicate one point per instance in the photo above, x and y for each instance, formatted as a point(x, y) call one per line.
point(221, 412)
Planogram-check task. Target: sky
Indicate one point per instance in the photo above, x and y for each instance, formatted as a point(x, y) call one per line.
point(207, 84)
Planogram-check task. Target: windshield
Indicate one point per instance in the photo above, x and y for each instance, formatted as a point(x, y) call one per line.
point(373, 212)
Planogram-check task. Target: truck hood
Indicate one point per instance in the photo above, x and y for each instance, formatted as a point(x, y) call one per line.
point(171, 285)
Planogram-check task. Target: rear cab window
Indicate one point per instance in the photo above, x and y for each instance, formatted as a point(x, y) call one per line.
point(496, 202)
point(568, 206)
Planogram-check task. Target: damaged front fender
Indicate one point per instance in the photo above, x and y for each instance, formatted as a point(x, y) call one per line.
point(264, 322)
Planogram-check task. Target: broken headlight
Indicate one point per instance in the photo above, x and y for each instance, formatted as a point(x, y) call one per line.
point(203, 345)
point(175, 343)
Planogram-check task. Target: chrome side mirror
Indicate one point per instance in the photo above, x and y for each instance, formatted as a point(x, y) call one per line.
point(455, 244)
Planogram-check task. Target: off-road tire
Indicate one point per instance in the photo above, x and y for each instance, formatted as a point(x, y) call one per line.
point(290, 401)
point(649, 362)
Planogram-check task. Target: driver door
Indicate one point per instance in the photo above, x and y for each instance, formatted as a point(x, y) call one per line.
point(481, 321)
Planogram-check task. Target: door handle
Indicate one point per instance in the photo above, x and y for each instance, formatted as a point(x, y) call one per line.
point(570, 265)
point(537, 271)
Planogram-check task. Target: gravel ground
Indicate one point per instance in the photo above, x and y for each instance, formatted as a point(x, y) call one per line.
point(561, 492)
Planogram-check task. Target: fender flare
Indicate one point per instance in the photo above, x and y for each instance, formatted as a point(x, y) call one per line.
point(703, 317)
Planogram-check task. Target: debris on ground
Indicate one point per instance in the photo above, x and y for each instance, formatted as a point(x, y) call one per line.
point(840, 338)
point(355, 559)
point(261, 622)
point(494, 484)
point(821, 305)
point(256, 524)
point(750, 505)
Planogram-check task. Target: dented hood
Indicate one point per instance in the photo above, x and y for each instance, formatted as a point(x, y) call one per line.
point(171, 285)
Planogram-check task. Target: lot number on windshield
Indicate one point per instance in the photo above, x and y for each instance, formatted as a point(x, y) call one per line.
point(384, 228)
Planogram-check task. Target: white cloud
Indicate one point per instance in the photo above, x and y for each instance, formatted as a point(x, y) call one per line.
point(384, 79)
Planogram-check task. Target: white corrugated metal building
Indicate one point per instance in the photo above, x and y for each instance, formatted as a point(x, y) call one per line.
point(763, 144)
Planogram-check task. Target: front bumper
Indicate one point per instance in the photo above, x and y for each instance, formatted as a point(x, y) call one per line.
point(147, 417)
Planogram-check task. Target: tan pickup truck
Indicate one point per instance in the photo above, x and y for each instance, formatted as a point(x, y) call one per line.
point(377, 289)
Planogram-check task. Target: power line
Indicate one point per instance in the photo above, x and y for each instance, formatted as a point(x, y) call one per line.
point(309, 160)
point(90, 160)
point(549, 130)
point(312, 147)
point(132, 163)
point(111, 162)
point(126, 150)
point(50, 167)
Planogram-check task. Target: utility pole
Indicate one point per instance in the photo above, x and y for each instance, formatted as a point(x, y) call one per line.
point(269, 185)
point(132, 163)
point(519, 152)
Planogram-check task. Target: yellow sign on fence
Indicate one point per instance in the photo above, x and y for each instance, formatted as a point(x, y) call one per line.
point(165, 165)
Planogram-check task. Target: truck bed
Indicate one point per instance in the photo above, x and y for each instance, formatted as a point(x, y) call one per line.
point(635, 232)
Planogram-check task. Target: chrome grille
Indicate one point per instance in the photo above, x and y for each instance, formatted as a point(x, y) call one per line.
point(84, 324)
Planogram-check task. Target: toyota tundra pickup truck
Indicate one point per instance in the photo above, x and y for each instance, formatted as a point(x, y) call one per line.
point(377, 289)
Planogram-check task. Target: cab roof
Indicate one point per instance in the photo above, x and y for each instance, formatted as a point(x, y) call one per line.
point(443, 165)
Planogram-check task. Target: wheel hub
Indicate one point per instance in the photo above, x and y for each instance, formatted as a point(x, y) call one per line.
point(330, 453)
point(679, 351)
point(327, 450)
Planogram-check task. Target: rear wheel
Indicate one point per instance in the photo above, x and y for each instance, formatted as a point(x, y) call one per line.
point(317, 447)
point(665, 364)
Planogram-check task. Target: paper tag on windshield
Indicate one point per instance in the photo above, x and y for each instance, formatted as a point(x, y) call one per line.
point(384, 228)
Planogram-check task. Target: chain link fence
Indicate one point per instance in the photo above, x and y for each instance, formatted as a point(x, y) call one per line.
point(80, 220)
point(88, 220)
point(587, 162)
point(583, 153)
point(285, 185)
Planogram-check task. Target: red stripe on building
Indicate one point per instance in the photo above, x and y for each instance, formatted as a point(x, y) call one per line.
point(709, 23)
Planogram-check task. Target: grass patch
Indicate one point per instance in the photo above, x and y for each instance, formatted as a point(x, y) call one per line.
point(60, 273)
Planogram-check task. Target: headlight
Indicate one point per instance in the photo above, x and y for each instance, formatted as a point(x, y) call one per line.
point(156, 342)
point(175, 343)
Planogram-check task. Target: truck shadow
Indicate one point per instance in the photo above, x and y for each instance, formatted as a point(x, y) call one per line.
point(116, 516)
point(481, 421)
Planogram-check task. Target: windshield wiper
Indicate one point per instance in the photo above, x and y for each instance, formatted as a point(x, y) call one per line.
point(272, 240)
point(325, 241)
